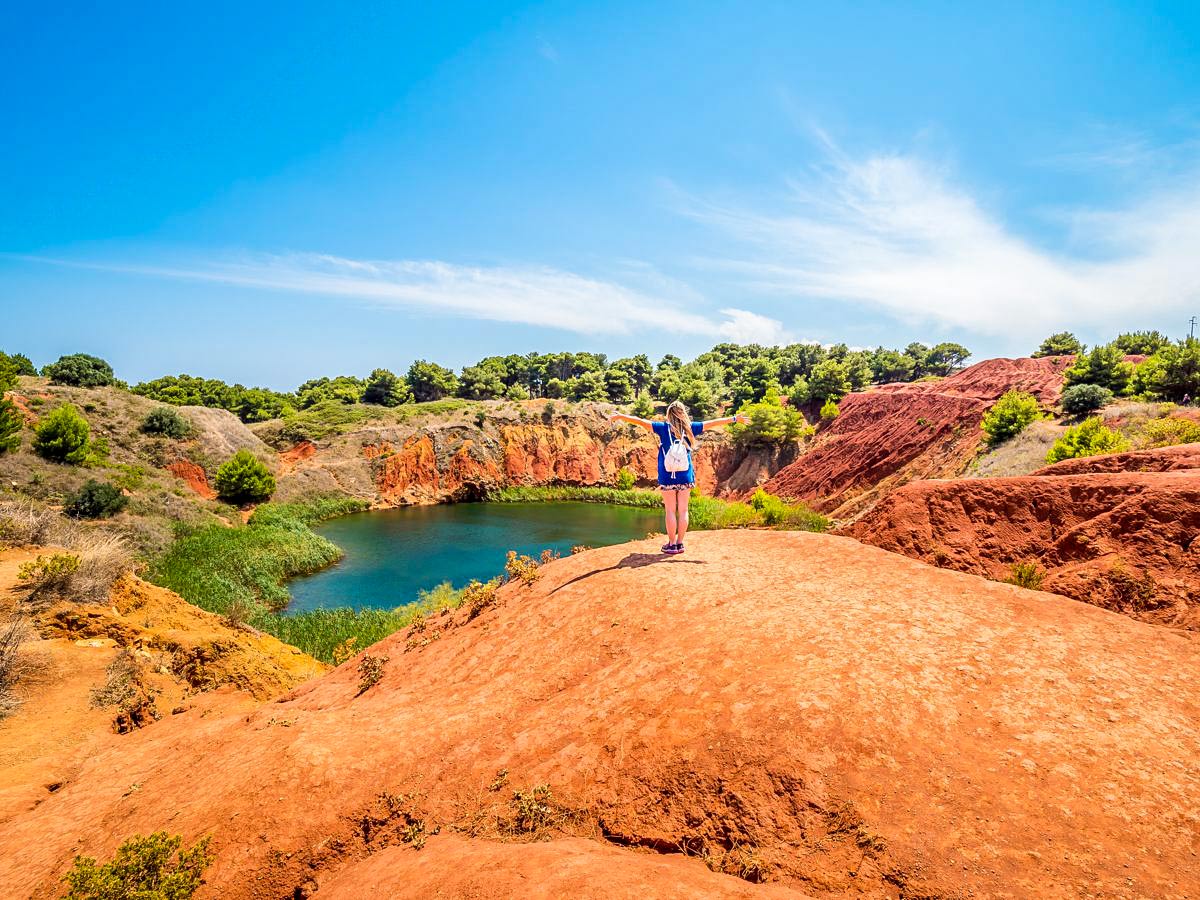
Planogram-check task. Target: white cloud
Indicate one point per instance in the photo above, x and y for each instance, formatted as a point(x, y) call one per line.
point(900, 235)
point(538, 296)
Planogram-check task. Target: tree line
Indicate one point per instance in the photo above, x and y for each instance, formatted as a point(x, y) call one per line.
point(727, 375)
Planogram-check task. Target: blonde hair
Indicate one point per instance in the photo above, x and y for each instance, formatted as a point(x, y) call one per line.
point(680, 422)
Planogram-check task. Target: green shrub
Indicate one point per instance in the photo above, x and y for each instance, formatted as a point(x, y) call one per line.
point(1088, 438)
point(1061, 344)
point(144, 868)
point(1026, 574)
point(1081, 399)
point(243, 478)
point(830, 411)
point(1104, 366)
point(220, 568)
point(770, 423)
point(1009, 416)
point(11, 426)
point(643, 407)
point(95, 500)
point(1168, 432)
point(80, 370)
point(167, 422)
point(62, 436)
point(18, 363)
point(1172, 373)
point(626, 479)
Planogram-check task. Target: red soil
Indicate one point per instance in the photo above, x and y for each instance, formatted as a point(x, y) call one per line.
point(849, 722)
point(194, 475)
point(1165, 459)
point(292, 457)
point(1118, 531)
point(904, 432)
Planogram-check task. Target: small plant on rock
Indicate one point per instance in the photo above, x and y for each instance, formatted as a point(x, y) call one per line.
point(830, 410)
point(626, 478)
point(47, 571)
point(533, 809)
point(521, 568)
point(1027, 574)
point(370, 671)
point(144, 868)
point(479, 595)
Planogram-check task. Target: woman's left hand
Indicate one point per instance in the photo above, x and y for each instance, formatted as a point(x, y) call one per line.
point(741, 420)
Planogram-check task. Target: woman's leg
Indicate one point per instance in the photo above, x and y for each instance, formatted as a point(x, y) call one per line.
point(681, 514)
point(669, 509)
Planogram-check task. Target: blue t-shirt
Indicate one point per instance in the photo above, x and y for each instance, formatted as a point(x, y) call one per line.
point(663, 430)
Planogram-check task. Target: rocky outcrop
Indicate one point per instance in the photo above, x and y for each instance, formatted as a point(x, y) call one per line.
point(1125, 536)
point(436, 461)
point(899, 433)
point(1164, 459)
point(794, 707)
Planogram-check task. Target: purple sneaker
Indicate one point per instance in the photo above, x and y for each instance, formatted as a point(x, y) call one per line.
point(668, 548)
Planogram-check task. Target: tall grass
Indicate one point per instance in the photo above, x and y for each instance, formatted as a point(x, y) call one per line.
point(704, 513)
point(243, 570)
point(566, 492)
point(319, 632)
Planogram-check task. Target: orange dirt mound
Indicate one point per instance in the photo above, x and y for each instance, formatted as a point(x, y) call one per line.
point(841, 720)
point(194, 476)
point(899, 433)
point(1123, 540)
point(1164, 459)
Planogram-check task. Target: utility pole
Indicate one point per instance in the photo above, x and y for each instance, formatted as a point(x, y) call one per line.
point(1192, 330)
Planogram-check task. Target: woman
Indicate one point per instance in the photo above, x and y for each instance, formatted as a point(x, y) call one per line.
point(676, 486)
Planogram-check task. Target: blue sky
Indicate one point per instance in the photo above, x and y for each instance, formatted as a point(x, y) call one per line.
point(269, 192)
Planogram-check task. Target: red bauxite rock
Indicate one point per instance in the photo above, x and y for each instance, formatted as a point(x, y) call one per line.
point(903, 432)
point(843, 721)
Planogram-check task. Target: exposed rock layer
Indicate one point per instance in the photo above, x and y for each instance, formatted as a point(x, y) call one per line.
point(1123, 533)
point(904, 432)
point(842, 720)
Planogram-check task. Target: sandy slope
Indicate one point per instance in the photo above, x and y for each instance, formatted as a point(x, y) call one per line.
point(863, 724)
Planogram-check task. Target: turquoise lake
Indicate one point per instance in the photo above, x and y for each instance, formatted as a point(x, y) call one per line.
point(392, 555)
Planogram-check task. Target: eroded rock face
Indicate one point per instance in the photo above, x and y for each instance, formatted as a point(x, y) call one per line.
point(1125, 536)
point(840, 720)
point(904, 432)
point(436, 462)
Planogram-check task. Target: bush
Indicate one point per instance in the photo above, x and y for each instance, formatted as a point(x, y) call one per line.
point(1061, 344)
point(80, 370)
point(626, 479)
point(62, 436)
point(1168, 432)
point(1009, 416)
point(144, 868)
point(1027, 575)
point(1089, 438)
point(15, 664)
point(95, 500)
point(17, 363)
point(1081, 399)
point(1173, 373)
point(1104, 366)
point(243, 478)
point(167, 422)
point(643, 407)
point(830, 411)
point(11, 427)
point(770, 423)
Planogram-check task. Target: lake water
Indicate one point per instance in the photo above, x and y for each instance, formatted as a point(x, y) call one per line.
point(393, 554)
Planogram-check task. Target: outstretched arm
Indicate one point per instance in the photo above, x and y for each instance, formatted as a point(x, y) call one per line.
point(632, 420)
point(728, 420)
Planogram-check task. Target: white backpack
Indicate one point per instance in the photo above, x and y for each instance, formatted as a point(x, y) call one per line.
point(675, 457)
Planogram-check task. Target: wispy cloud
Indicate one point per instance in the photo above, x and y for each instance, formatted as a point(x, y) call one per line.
point(538, 296)
point(900, 235)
